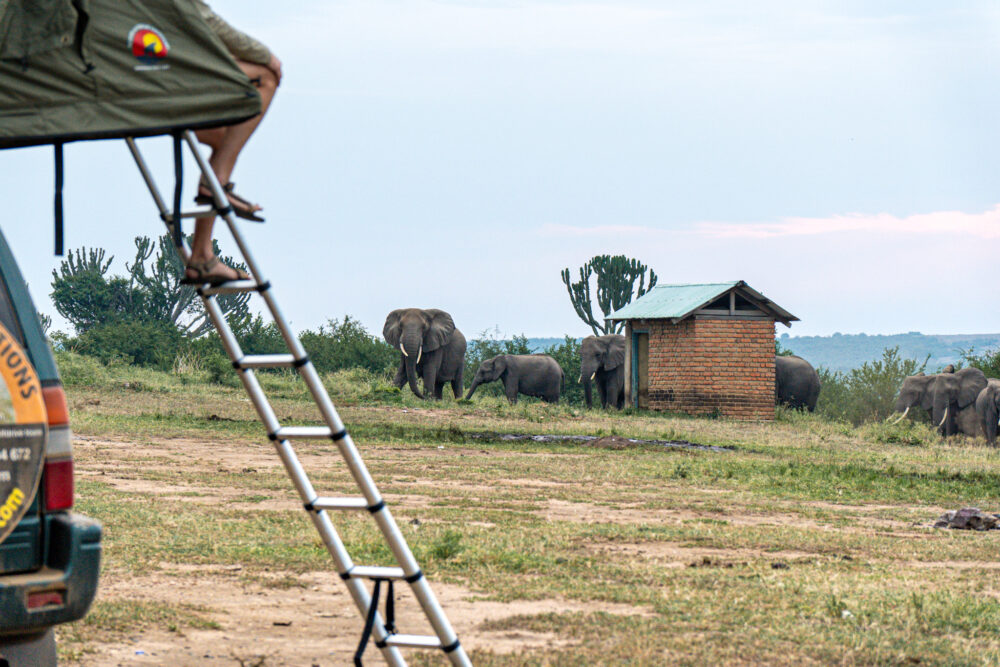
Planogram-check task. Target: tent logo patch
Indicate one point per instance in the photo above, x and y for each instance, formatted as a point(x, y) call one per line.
point(149, 46)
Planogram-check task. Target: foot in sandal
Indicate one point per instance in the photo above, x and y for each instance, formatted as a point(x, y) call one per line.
point(241, 207)
point(211, 272)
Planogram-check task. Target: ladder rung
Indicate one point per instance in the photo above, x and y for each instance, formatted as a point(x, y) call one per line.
point(266, 361)
point(377, 572)
point(235, 287)
point(200, 213)
point(413, 641)
point(302, 433)
point(340, 504)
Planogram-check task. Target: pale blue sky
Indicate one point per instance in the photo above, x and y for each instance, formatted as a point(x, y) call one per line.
point(841, 157)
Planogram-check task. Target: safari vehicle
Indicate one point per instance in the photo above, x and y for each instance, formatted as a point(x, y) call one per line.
point(49, 556)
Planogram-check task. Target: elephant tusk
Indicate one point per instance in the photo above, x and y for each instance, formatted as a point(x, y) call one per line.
point(402, 349)
point(945, 418)
point(900, 417)
point(420, 353)
point(580, 379)
point(593, 375)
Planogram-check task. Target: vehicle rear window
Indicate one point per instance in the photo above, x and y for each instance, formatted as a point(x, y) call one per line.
point(7, 315)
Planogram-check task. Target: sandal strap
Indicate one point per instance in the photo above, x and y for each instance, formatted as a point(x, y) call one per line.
point(228, 187)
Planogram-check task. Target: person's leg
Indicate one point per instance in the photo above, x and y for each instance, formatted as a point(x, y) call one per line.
point(224, 156)
point(226, 144)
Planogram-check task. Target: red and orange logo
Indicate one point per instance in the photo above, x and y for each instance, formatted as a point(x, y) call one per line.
point(148, 44)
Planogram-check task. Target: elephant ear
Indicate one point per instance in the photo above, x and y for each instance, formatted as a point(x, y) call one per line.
point(500, 363)
point(393, 327)
point(615, 355)
point(440, 329)
point(970, 388)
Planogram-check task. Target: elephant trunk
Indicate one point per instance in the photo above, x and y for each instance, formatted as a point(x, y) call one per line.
point(472, 389)
point(411, 345)
point(411, 376)
point(587, 393)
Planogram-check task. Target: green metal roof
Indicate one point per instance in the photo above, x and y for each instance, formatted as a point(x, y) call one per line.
point(676, 302)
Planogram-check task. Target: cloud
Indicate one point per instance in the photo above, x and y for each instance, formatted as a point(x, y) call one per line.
point(985, 225)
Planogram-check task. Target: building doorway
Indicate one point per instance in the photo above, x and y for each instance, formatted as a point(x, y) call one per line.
point(640, 369)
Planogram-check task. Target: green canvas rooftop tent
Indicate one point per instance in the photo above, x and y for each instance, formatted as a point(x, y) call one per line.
point(73, 70)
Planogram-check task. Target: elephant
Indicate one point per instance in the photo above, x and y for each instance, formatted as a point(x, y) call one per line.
point(796, 383)
point(988, 409)
point(431, 347)
point(952, 393)
point(947, 396)
point(529, 374)
point(602, 360)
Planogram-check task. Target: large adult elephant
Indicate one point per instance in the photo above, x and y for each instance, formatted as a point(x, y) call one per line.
point(988, 409)
point(796, 383)
point(602, 361)
point(951, 393)
point(947, 396)
point(430, 346)
point(529, 374)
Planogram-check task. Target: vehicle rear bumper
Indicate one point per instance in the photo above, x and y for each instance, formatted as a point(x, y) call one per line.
point(72, 566)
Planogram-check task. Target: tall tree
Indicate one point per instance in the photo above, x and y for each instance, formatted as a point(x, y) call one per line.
point(158, 270)
point(616, 276)
point(86, 295)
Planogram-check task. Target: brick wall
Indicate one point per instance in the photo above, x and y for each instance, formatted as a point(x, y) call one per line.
point(702, 365)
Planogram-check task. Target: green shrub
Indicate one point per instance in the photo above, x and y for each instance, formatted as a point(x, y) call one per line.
point(567, 355)
point(260, 338)
point(347, 344)
point(868, 393)
point(81, 371)
point(145, 343)
point(221, 371)
point(988, 362)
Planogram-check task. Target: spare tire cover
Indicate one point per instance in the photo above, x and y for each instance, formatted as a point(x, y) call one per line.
point(23, 433)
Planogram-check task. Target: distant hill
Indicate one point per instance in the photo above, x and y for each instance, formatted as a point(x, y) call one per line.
point(540, 344)
point(845, 351)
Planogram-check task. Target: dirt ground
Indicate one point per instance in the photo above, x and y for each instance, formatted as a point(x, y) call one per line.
point(261, 625)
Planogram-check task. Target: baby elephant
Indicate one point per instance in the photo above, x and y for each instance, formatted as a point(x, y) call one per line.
point(528, 374)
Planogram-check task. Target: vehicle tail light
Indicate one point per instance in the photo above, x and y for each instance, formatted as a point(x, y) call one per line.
point(58, 485)
point(39, 599)
point(59, 454)
point(55, 405)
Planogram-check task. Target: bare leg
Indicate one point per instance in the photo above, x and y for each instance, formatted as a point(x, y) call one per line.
point(224, 156)
point(226, 144)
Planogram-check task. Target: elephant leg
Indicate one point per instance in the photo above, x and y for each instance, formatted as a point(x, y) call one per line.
point(439, 389)
point(456, 386)
point(430, 381)
point(510, 389)
point(613, 397)
point(602, 390)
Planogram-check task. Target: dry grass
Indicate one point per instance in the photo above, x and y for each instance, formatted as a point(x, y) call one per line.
point(806, 543)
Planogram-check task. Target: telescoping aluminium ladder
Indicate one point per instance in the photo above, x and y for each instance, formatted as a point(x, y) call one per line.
point(382, 630)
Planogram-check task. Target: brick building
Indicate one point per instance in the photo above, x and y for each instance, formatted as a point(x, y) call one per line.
point(702, 349)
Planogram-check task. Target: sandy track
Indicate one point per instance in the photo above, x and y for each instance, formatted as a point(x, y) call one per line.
point(313, 623)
